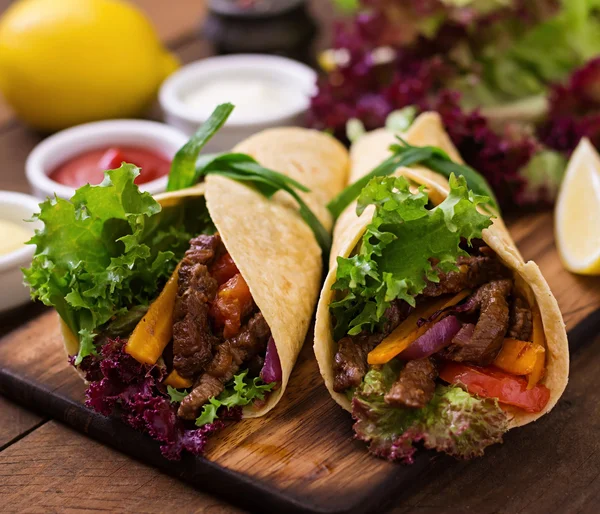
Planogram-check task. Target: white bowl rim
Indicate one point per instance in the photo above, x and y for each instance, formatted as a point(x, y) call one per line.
point(21, 256)
point(172, 104)
point(35, 163)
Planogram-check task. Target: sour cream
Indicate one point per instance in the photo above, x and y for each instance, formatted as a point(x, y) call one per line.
point(255, 98)
point(12, 236)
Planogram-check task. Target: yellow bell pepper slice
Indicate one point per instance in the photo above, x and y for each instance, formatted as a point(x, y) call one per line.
point(519, 357)
point(408, 331)
point(539, 339)
point(155, 329)
point(175, 380)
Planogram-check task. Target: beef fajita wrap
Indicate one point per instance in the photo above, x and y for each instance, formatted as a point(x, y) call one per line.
point(188, 309)
point(431, 329)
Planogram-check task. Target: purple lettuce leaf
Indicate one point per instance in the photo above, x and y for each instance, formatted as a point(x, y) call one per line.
point(124, 387)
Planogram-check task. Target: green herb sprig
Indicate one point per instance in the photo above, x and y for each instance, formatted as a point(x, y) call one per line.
point(405, 154)
point(189, 168)
point(183, 167)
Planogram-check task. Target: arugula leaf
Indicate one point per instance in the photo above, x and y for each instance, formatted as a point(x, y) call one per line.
point(404, 154)
point(394, 257)
point(454, 421)
point(176, 395)
point(108, 249)
point(238, 393)
point(183, 167)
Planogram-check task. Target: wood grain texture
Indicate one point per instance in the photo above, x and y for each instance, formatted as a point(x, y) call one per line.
point(15, 421)
point(55, 469)
point(304, 452)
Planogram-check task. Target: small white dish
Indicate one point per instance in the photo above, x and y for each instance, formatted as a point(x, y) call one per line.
point(289, 75)
point(69, 143)
point(16, 208)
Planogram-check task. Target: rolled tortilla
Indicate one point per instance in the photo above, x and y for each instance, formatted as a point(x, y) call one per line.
point(273, 248)
point(368, 152)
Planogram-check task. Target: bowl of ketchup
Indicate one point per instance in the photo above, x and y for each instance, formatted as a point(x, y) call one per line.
point(79, 155)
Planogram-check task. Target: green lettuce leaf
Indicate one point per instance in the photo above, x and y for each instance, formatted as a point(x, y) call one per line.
point(401, 119)
point(453, 422)
point(516, 61)
point(240, 392)
point(544, 174)
point(176, 395)
point(108, 249)
point(394, 257)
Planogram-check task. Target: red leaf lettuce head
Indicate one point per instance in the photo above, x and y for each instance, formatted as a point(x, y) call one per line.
point(574, 110)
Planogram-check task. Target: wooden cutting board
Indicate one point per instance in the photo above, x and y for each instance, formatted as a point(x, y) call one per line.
point(302, 457)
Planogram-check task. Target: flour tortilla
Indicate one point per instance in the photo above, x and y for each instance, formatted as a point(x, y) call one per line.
point(274, 249)
point(369, 151)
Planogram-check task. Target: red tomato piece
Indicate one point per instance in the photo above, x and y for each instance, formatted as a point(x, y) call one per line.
point(233, 302)
point(493, 383)
point(223, 269)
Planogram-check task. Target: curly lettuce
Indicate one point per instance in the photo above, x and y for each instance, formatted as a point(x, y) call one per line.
point(238, 393)
point(108, 249)
point(394, 259)
point(453, 422)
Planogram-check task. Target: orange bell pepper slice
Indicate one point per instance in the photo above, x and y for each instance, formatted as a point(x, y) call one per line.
point(154, 331)
point(175, 380)
point(540, 339)
point(519, 357)
point(408, 331)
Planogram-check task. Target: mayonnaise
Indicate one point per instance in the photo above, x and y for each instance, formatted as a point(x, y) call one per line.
point(12, 236)
point(254, 97)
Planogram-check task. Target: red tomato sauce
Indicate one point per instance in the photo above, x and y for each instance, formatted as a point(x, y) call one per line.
point(88, 167)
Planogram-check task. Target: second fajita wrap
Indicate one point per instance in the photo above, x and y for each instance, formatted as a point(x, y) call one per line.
point(191, 308)
point(430, 326)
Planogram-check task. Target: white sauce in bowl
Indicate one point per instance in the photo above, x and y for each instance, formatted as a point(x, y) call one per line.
point(12, 236)
point(254, 97)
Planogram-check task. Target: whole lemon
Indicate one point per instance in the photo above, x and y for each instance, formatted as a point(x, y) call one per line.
point(64, 62)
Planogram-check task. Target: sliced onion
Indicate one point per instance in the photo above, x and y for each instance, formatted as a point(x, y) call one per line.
point(271, 371)
point(432, 341)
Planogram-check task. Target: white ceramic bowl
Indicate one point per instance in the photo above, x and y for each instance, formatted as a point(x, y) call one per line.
point(292, 74)
point(16, 207)
point(60, 147)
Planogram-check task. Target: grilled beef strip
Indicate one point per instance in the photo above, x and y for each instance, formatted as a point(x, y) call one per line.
point(473, 271)
point(229, 356)
point(415, 385)
point(193, 339)
point(350, 361)
point(520, 325)
point(490, 329)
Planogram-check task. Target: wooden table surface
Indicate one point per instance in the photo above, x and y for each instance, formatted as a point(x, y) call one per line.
point(47, 467)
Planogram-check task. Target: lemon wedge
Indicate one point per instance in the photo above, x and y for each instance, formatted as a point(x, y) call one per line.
point(577, 214)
